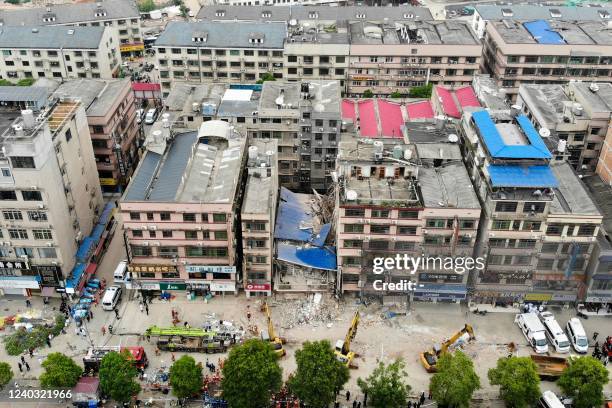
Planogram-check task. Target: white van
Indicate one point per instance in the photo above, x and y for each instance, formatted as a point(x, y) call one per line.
point(550, 400)
point(555, 333)
point(533, 330)
point(121, 273)
point(151, 116)
point(577, 335)
point(112, 296)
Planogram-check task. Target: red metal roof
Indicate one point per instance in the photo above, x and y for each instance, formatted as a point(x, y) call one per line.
point(145, 86)
point(348, 109)
point(391, 119)
point(420, 110)
point(448, 103)
point(467, 97)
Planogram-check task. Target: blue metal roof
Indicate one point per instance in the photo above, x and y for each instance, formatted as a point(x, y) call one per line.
point(106, 213)
point(137, 190)
point(542, 33)
point(522, 176)
point(294, 221)
point(85, 249)
point(536, 149)
point(312, 257)
point(75, 275)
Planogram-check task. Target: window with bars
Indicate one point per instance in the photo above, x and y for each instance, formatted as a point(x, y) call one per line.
point(18, 233)
point(12, 215)
point(42, 234)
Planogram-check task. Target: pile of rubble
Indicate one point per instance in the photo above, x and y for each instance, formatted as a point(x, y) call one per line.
point(225, 329)
point(314, 310)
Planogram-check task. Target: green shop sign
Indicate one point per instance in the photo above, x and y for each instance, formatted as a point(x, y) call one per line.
point(172, 286)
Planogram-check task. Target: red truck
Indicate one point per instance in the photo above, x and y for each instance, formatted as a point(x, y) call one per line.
point(95, 354)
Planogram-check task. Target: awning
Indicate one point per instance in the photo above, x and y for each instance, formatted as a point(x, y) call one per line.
point(602, 276)
point(48, 291)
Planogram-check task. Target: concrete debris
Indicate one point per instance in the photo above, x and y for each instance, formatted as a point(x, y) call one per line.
point(224, 328)
point(313, 310)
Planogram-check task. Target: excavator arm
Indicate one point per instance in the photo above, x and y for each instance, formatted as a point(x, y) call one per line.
point(270, 325)
point(350, 334)
point(466, 329)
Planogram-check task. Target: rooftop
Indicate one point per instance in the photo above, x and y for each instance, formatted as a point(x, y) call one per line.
point(261, 185)
point(97, 96)
point(489, 94)
point(183, 96)
point(277, 95)
point(238, 102)
point(510, 140)
point(599, 101)
point(526, 12)
point(448, 32)
point(602, 195)
point(571, 196)
point(190, 171)
point(23, 93)
point(519, 176)
point(553, 32)
point(312, 12)
point(447, 186)
point(298, 221)
point(546, 102)
point(51, 37)
point(54, 14)
point(453, 102)
point(379, 191)
point(208, 34)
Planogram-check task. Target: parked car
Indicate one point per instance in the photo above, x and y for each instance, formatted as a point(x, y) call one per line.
point(577, 335)
point(151, 116)
point(555, 333)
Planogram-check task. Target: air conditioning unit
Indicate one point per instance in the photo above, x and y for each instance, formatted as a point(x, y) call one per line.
point(41, 206)
point(49, 244)
point(153, 227)
point(145, 243)
point(144, 227)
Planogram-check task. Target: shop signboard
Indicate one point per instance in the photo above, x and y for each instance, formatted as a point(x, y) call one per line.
point(210, 268)
point(258, 286)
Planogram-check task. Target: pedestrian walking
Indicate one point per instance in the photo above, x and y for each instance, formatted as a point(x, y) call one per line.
point(354, 403)
point(365, 399)
point(103, 330)
point(359, 404)
point(49, 341)
point(90, 314)
point(23, 359)
point(336, 404)
point(117, 313)
point(31, 351)
point(87, 316)
point(28, 303)
point(141, 307)
point(348, 395)
point(595, 334)
point(147, 308)
point(429, 396)
point(20, 367)
point(422, 399)
point(409, 404)
point(27, 366)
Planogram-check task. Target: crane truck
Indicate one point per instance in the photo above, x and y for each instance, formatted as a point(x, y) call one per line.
point(189, 339)
point(270, 335)
point(430, 357)
point(343, 348)
point(94, 356)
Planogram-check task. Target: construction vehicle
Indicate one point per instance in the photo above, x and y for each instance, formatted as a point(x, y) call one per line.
point(548, 367)
point(429, 358)
point(343, 348)
point(270, 334)
point(189, 339)
point(94, 356)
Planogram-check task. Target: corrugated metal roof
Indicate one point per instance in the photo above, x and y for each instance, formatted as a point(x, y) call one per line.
point(533, 11)
point(51, 37)
point(522, 176)
point(23, 93)
point(536, 149)
point(70, 13)
point(313, 257)
point(448, 102)
point(141, 181)
point(173, 168)
point(447, 186)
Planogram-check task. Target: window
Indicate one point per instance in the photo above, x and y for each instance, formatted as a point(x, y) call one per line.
point(191, 234)
point(536, 207)
point(433, 223)
point(164, 216)
point(353, 228)
point(167, 233)
point(37, 216)
point(379, 229)
point(31, 195)
point(506, 206)
point(152, 234)
point(256, 226)
point(221, 235)
point(408, 214)
point(141, 251)
point(42, 234)
point(217, 217)
point(407, 230)
point(586, 230)
point(354, 212)
point(467, 224)
point(554, 229)
point(189, 217)
point(352, 243)
point(545, 264)
point(527, 243)
point(531, 226)
point(501, 225)
point(351, 261)
point(22, 162)
point(12, 215)
point(550, 247)
point(207, 252)
point(24, 252)
point(8, 195)
point(47, 253)
point(134, 216)
point(380, 213)
point(137, 233)
point(168, 252)
point(18, 233)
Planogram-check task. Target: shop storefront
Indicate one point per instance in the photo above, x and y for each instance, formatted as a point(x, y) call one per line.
point(19, 285)
point(258, 289)
point(439, 292)
point(40, 277)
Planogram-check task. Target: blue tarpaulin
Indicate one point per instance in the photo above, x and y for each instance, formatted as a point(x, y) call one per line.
point(106, 213)
point(85, 249)
point(75, 275)
point(311, 257)
point(295, 220)
point(319, 240)
point(97, 232)
point(535, 149)
point(522, 176)
point(543, 33)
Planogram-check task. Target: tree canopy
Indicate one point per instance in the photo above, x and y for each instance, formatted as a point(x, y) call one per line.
point(60, 371)
point(6, 374)
point(421, 91)
point(583, 380)
point(117, 374)
point(455, 381)
point(319, 374)
point(386, 386)
point(186, 377)
point(368, 93)
point(251, 374)
point(518, 380)
point(268, 76)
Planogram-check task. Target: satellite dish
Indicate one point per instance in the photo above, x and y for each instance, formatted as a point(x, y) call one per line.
point(351, 195)
point(544, 132)
point(453, 138)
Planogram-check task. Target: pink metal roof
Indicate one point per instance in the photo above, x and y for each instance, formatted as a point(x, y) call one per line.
point(467, 97)
point(420, 110)
point(367, 119)
point(448, 103)
point(391, 118)
point(145, 86)
point(348, 109)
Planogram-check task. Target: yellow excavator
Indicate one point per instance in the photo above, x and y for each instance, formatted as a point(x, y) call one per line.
point(343, 348)
point(270, 335)
point(430, 357)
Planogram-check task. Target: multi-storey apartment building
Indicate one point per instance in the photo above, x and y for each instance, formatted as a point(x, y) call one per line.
point(393, 57)
point(204, 52)
point(574, 119)
point(122, 17)
point(258, 217)
point(529, 210)
point(604, 164)
point(111, 115)
point(179, 211)
point(550, 51)
point(58, 52)
point(50, 196)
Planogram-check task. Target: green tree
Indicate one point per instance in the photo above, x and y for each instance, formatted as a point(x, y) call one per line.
point(386, 386)
point(145, 6)
point(319, 374)
point(368, 94)
point(60, 372)
point(117, 374)
point(6, 374)
point(13, 1)
point(268, 76)
point(396, 94)
point(518, 380)
point(186, 377)
point(184, 10)
point(583, 380)
point(455, 381)
point(25, 82)
point(6, 82)
point(421, 91)
point(251, 374)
